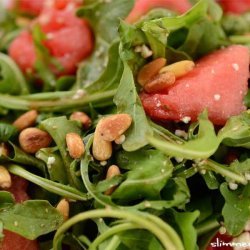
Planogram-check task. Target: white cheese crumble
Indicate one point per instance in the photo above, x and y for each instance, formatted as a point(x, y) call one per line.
point(103, 163)
point(79, 93)
point(232, 185)
point(181, 133)
point(186, 119)
point(235, 66)
point(222, 230)
point(144, 50)
point(51, 160)
point(217, 97)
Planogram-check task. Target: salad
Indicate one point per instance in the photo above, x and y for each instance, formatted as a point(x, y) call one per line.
point(124, 124)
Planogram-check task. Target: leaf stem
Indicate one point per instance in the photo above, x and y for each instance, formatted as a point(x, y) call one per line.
point(114, 230)
point(134, 217)
point(224, 171)
point(19, 103)
point(207, 226)
point(51, 186)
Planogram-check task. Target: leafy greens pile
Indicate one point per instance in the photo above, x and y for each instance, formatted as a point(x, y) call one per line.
point(173, 193)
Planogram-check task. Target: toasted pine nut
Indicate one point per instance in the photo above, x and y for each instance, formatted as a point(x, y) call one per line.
point(149, 70)
point(114, 126)
point(33, 139)
point(180, 68)
point(81, 117)
point(102, 150)
point(26, 120)
point(113, 170)
point(5, 178)
point(75, 145)
point(63, 208)
point(160, 82)
point(3, 150)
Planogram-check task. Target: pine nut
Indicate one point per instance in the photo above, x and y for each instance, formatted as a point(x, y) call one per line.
point(75, 145)
point(33, 139)
point(114, 126)
point(180, 68)
point(160, 82)
point(113, 171)
point(149, 70)
point(26, 120)
point(5, 178)
point(3, 150)
point(83, 118)
point(63, 208)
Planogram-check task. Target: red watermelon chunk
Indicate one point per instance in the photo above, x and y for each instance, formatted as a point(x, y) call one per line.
point(217, 83)
point(69, 39)
point(33, 7)
point(13, 241)
point(141, 7)
point(235, 6)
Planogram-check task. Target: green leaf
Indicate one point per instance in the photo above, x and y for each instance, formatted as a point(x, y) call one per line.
point(203, 146)
point(109, 79)
point(104, 18)
point(127, 101)
point(58, 128)
point(51, 186)
point(185, 221)
point(43, 59)
point(236, 132)
point(16, 155)
point(31, 219)
point(6, 199)
point(139, 239)
point(236, 211)
point(55, 169)
point(149, 172)
point(7, 131)
point(247, 99)
point(10, 73)
point(236, 24)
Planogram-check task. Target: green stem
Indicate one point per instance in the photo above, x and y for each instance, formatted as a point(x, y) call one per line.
point(114, 230)
point(134, 217)
point(51, 186)
point(245, 39)
point(224, 171)
point(11, 102)
point(114, 243)
point(207, 226)
point(48, 95)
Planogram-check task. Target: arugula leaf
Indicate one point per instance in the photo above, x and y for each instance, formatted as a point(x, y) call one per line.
point(58, 128)
point(55, 169)
point(109, 79)
point(236, 132)
point(17, 155)
point(51, 186)
point(104, 18)
point(236, 211)
point(31, 219)
point(127, 101)
point(10, 73)
point(139, 239)
point(43, 59)
point(236, 24)
point(7, 131)
point(149, 173)
point(203, 146)
point(185, 221)
point(6, 199)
